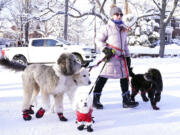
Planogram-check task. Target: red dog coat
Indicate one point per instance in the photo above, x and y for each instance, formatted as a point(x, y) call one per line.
point(85, 117)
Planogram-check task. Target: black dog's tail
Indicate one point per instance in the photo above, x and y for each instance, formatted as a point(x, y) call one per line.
point(131, 72)
point(12, 65)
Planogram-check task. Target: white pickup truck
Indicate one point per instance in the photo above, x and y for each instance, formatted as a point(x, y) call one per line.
point(47, 50)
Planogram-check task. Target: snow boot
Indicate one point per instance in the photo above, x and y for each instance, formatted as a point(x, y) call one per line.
point(127, 102)
point(96, 101)
point(26, 115)
point(40, 113)
point(61, 117)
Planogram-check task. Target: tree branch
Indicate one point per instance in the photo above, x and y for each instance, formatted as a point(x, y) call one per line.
point(172, 12)
point(157, 5)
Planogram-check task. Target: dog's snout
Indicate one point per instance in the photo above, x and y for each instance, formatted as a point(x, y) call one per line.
point(89, 82)
point(85, 104)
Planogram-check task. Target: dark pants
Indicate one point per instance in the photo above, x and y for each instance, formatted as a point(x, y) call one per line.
point(102, 81)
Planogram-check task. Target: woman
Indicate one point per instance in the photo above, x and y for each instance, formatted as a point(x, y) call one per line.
point(112, 41)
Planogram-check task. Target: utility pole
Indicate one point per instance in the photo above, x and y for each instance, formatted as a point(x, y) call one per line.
point(66, 19)
point(126, 6)
point(95, 26)
point(114, 1)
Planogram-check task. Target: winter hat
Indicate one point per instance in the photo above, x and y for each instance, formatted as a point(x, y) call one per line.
point(114, 9)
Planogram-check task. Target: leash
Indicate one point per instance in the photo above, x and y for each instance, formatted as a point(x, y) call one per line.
point(98, 75)
point(114, 47)
point(99, 62)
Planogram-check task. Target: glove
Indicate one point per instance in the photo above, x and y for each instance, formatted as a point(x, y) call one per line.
point(109, 52)
point(128, 61)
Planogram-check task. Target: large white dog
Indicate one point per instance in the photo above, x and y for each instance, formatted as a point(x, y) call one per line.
point(49, 80)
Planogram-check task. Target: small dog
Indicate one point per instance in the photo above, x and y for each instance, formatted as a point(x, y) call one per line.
point(150, 82)
point(49, 80)
point(83, 107)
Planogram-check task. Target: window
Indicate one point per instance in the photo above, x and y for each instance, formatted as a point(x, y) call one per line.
point(50, 42)
point(177, 25)
point(38, 43)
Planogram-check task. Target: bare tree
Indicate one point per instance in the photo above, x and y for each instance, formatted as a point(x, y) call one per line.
point(165, 17)
point(4, 3)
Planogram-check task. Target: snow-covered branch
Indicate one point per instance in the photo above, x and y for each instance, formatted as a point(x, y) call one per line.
point(3, 3)
point(157, 5)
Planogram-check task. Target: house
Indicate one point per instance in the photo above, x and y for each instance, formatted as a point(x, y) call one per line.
point(172, 29)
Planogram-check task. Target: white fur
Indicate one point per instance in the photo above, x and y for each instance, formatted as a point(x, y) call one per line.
point(79, 103)
point(80, 78)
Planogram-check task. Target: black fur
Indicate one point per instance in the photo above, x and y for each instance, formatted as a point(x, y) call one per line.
point(150, 83)
point(12, 65)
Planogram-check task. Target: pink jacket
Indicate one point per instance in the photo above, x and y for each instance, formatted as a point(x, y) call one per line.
point(110, 34)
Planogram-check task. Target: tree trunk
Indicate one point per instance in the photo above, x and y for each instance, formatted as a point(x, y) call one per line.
point(162, 29)
point(162, 41)
point(27, 11)
point(66, 19)
point(27, 33)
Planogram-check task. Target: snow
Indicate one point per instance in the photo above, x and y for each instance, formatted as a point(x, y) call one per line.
point(113, 119)
point(169, 49)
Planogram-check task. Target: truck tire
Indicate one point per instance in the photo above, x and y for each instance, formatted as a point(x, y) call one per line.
point(20, 59)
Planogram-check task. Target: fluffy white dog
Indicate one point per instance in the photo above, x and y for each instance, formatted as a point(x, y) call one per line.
point(83, 107)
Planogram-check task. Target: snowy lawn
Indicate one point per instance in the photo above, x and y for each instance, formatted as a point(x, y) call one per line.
point(113, 119)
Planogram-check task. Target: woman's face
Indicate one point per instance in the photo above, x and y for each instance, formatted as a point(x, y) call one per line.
point(117, 16)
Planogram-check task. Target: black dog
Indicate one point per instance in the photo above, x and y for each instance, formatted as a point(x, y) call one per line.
point(150, 82)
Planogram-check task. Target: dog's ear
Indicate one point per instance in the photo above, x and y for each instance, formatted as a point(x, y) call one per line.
point(65, 62)
point(157, 78)
point(61, 58)
point(68, 67)
point(131, 72)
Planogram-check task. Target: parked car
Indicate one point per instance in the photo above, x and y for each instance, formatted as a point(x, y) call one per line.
point(47, 50)
point(176, 41)
point(157, 42)
point(2, 44)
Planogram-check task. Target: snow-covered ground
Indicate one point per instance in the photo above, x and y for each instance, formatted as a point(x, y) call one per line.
point(113, 119)
point(169, 49)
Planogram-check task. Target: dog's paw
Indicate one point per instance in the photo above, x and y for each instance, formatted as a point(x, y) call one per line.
point(155, 107)
point(81, 127)
point(26, 115)
point(89, 129)
point(61, 117)
point(31, 111)
point(145, 99)
point(133, 99)
point(40, 113)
